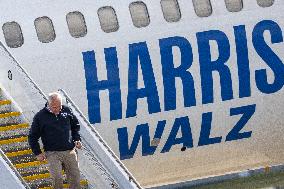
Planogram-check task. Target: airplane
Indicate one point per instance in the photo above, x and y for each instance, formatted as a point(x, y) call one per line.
point(179, 89)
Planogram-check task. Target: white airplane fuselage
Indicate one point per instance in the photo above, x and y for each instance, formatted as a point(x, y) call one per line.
point(176, 101)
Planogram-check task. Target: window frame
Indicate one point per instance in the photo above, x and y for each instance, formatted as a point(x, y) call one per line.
point(259, 4)
point(116, 19)
point(21, 35)
point(54, 34)
point(231, 10)
point(148, 15)
point(84, 22)
point(178, 9)
point(198, 14)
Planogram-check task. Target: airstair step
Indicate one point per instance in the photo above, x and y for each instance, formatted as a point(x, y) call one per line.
point(11, 133)
point(5, 102)
point(10, 118)
point(14, 127)
point(30, 170)
point(15, 149)
point(10, 114)
point(5, 106)
point(10, 147)
point(2, 137)
point(14, 139)
point(10, 121)
point(5, 109)
point(37, 176)
point(40, 183)
point(84, 184)
point(29, 164)
point(34, 172)
point(40, 174)
point(19, 152)
point(23, 159)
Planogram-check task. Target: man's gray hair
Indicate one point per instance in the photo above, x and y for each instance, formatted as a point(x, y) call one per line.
point(54, 96)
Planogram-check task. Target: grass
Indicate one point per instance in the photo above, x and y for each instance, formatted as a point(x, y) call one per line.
point(263, 180)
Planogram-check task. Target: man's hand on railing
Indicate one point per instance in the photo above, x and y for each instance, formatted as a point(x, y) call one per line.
point(78, 144)
point(41, 157)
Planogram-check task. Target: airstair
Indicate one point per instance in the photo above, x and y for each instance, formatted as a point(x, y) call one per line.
point(20, 99)
point(14, 129)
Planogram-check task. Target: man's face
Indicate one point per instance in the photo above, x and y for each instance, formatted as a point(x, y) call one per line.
point(55, 106)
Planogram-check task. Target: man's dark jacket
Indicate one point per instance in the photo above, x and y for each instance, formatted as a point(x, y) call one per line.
point(57, 132)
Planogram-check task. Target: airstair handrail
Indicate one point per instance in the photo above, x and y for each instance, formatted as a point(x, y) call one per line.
point(122, 166)
point(2, 154)
point(107, 148)
point(24, 71)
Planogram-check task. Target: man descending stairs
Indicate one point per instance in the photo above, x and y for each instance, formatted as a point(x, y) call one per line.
point(14, 143)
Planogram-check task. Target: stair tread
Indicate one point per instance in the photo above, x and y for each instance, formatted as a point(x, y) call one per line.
point(12, 146)
point(13, 139)
point(5, 102)
point(40, 183)
point(13, 121)
point(25, 158)
point(48, 184)
point(19, 152)
point(11, 133)
point(13, 126)
point(15, 149)
point(36, 169)
point(29, 164)
point(34, 172)
point(38, 175)
point(10, 114)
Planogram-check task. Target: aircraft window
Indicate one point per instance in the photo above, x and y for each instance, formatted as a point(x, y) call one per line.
point(171, 10)
point(108, 19)
point(13, 34)
point(234, 5)
point(265, 3)
point(76, 24)
point(139, 14)
point(202, 8)
point(44, 29)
